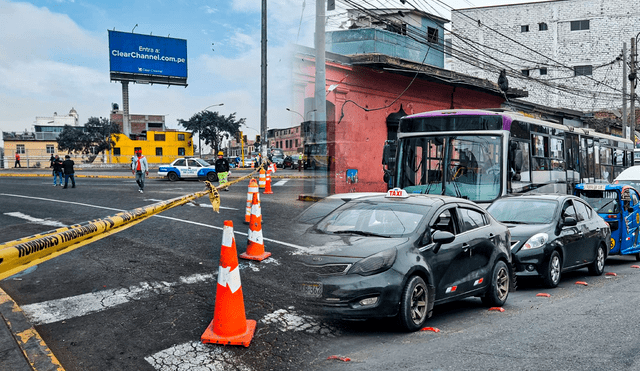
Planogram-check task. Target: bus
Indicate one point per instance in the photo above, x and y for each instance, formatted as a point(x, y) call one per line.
point(482, 155)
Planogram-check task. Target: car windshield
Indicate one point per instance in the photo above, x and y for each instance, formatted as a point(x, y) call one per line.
point(203, 162)
point(385, 219)
point(319, 210)
point(523, 210)
point(603, 202)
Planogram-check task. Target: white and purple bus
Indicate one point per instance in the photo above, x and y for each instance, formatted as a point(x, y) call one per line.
point(481, 155)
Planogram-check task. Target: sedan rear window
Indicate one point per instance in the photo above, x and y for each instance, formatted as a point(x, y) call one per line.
point(386, 219)
point(523, 211)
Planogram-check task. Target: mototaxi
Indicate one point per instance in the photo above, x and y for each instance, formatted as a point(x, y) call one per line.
point(618, 205)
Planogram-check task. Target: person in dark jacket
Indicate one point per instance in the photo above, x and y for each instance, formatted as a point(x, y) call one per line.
point(56, 164)
point(67, 166)
point(222, 168)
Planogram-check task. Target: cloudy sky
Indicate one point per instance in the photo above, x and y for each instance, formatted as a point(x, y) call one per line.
point(54, 56)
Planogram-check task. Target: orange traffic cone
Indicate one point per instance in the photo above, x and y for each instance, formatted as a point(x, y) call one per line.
point(253, 188)
point(255, 243)
point(267, 187)
point(262, 179)
point(229, 325)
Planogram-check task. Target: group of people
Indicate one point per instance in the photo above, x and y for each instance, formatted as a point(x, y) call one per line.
point(63, 168)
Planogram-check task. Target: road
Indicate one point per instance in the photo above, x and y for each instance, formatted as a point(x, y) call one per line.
point(141, 298)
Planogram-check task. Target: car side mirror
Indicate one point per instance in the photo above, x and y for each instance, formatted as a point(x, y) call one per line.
point(440, 238)
point(569, 221)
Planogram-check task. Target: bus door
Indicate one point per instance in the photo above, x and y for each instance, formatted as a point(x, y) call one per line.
point(572, 143)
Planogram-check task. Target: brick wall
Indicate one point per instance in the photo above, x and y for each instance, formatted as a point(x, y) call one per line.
point(611, 22)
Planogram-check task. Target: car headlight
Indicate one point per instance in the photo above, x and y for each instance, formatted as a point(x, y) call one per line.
point(536, 241)
point(375, 263)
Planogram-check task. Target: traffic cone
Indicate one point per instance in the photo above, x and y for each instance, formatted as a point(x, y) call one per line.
point(267, 187)
point(273, 167)
point(253, 188)
point(255, 243)
point(230, 325)
point(262, 180)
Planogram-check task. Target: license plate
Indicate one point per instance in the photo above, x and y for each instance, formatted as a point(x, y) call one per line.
point(313, 290)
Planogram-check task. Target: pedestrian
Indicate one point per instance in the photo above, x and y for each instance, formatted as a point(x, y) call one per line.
point(51, 159)
point(57, 169)
point(67, 167)
point(222, 168)
point(140, 168)
point(17, 163)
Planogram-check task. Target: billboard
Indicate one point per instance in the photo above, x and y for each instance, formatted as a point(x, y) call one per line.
point(147, 59)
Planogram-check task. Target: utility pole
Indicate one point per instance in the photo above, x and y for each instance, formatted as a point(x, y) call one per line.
point(625, 122)
point(263, 101)
point(632, 88)
point(321, 189)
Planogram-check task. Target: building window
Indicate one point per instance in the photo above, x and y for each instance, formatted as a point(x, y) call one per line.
point(432, 35)
point(180, 136)
point(50, 149)
point(543, 71)
point(582, 70)
point(297, 143)
point(158, 151)
point(542, 26)
point(525, 72)
point(524, 28)
point(158, 137)
point(580, 25)
point(155, 125)
point(180, 151)
point(116, 151)
point(20, 148)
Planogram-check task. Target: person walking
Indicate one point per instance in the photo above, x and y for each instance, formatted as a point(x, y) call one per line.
point(17, 163)
point(140, 168)
point(222, 168)
point(57, 169)
point(67, 166)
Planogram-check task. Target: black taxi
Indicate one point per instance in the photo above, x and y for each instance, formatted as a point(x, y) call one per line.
point(397, 254)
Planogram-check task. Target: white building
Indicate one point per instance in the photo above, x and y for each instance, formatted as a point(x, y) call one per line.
point(565, 53)
point(48, 128)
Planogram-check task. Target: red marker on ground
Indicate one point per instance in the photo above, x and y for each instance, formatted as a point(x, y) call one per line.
point(430, 329)
point(544, 294)
point(498, 309)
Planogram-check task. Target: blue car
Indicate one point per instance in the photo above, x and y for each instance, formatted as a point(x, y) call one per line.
point(618, 205)
point(188, 167)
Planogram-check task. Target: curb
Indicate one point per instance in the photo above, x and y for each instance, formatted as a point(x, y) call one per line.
point(36, 352)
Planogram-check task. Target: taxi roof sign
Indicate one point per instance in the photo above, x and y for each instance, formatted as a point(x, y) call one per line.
point(397, 193)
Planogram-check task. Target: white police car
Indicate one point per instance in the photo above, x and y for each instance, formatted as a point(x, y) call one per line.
point(189, 168)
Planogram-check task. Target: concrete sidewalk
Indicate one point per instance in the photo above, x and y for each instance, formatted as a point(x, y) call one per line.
point(21, 347)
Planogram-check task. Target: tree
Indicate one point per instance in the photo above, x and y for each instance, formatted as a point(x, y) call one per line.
point(95, 137)
point(213, 127)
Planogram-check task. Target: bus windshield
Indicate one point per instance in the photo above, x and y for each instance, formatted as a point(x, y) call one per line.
point(465, 166)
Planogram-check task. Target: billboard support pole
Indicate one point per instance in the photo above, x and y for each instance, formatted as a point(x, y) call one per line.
point(263, 84)
point(126, 127)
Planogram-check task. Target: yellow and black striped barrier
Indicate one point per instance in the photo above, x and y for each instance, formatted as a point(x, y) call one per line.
point(18, 255)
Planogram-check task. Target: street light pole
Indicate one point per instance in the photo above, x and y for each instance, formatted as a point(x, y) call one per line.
point(200, 131)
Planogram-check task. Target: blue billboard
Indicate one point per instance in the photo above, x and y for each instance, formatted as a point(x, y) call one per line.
point(152, 58)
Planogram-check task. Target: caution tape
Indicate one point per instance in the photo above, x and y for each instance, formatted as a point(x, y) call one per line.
point(20, 254)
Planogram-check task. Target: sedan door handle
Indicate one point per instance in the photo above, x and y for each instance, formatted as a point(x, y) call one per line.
point(465, 247)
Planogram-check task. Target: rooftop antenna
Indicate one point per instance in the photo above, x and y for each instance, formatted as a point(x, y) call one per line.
point(134, 27)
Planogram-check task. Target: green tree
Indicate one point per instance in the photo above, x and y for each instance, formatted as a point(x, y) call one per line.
point(94, 138)
point(212, 127)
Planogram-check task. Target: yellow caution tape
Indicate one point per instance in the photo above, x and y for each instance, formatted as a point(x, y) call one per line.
point(18, 255)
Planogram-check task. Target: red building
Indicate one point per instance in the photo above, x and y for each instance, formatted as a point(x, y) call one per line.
point(366, 96)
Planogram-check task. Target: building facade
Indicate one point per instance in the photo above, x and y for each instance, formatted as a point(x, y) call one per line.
point(289, 140)
point(565, 53)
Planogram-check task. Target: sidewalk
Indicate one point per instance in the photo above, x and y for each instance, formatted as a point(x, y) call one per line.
point(21, 347)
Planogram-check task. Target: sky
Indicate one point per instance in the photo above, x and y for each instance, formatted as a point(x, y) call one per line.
point(54, 56)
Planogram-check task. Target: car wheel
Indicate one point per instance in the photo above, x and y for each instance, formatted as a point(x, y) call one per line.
point(212, 177)
point(172, 176)
point(553, 271)
point(414, 304)
point(498, 291)
point(597, 267)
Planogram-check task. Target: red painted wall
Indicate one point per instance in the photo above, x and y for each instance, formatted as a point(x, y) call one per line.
point(360, 135)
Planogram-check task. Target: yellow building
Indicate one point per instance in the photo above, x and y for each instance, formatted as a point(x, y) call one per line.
point(159, 147)
point(33, 153)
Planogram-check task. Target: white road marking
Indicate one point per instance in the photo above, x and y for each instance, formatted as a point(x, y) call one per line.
point(297, 247)
point(195, 356)
point(193, 204)
point(31, 219)
point(281, 182)
point(81, 305)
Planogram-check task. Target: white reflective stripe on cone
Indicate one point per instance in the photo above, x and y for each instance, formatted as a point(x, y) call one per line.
point(255, 236)
point(230, 278)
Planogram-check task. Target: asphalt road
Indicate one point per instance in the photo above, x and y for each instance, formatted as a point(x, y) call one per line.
point(140, 299)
